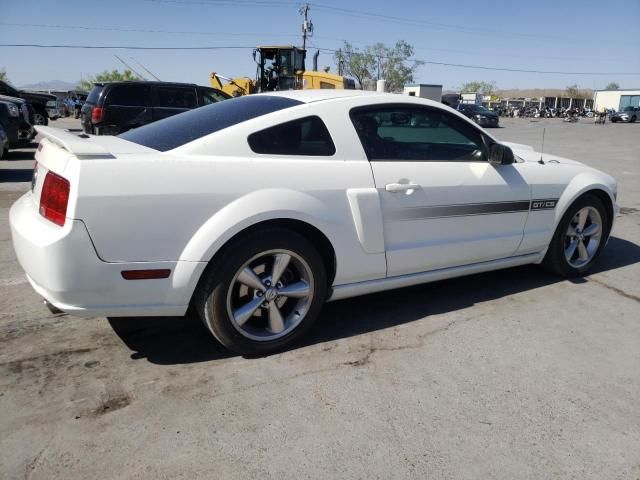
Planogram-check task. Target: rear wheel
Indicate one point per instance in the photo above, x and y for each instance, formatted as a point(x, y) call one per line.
point(264, 293)
point(579, 238)
point(39, 118)
point(633, 119)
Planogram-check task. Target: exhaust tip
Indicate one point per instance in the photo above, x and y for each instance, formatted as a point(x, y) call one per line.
point(52, 308)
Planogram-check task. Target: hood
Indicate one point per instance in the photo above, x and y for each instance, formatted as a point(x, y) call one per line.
point(7, 98)
point(528, 154)
point(37, 97)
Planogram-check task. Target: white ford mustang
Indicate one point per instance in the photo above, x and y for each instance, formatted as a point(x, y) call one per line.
point(257, 210)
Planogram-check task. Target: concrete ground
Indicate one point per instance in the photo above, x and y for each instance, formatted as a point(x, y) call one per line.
point(507, 375)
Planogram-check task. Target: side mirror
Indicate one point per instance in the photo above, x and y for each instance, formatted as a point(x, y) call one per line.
point(500, 155)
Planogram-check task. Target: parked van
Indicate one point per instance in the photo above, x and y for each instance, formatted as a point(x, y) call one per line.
point(115, 107)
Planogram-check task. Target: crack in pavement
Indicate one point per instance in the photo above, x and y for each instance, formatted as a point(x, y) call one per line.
point(617, 290)
point(366, 358)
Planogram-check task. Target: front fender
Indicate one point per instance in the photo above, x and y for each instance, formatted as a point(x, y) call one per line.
point(581, 184)
point(253, 208)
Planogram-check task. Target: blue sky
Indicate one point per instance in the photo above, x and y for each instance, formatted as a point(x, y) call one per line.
point(560, 35)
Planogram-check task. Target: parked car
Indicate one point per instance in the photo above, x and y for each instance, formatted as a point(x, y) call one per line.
point(52, 109)
point(37, 100)
point(15, 119)
point(113, 108)
point(479, 114)
point(627, 114)
point(256, 210)
point(4, 143)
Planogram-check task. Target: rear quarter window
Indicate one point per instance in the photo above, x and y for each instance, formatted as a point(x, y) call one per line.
point(186, 127)
point(305, 136)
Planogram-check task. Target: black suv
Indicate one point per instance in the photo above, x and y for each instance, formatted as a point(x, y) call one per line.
point(37, 100)
point(479, 114)
point(115, 107)
point(15, 118)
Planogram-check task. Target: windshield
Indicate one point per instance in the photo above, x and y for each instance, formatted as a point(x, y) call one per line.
point(186, 127)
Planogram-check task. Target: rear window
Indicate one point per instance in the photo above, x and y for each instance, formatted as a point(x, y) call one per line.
point(129, 95)
point(186, 127)
point(94, 94)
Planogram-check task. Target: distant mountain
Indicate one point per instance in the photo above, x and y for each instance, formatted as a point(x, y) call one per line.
point(58, 85)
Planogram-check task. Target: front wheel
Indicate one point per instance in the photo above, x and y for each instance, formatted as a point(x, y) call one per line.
point(579, 237)
point(264, 292)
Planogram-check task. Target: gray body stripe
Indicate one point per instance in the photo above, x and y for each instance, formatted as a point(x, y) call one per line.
point(463, 210)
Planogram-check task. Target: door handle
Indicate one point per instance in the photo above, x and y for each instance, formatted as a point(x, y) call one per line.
point(400, 187)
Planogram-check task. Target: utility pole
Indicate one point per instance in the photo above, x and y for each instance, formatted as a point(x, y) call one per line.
point(340, 62)
point(307, 26)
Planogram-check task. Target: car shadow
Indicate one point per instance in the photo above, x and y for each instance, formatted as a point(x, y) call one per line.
point(11, 175)
point(179, 340)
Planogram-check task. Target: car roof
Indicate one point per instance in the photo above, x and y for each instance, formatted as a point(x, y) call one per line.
point(311, 96)
point(150, 82)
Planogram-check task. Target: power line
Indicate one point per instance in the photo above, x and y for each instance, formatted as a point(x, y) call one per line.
point(123, 47)
point(359, 14)
point(262, 35)
point(502, 69)
point(328, 50)
point(138, 30)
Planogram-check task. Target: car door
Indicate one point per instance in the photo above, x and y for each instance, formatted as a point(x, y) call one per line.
point(173, 99)
point(443, 203)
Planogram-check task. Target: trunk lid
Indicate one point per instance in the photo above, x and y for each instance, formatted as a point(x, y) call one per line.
point(63, 153)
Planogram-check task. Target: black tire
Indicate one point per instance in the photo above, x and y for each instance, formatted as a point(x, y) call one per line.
point(633, 119)
point(555, 261)
point(40, 118)
point(211, 296)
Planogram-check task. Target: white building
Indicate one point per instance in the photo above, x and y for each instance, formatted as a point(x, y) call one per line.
point(616, 99)
point(423, 90)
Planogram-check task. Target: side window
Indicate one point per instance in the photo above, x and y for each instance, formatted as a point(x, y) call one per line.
point(306, 136)
point(176, 97)
point(128, 95)
point(409, 133)
point(210, 96)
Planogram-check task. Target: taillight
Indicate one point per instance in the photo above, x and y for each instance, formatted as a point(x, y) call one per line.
point(54, 198)
point(97, 114)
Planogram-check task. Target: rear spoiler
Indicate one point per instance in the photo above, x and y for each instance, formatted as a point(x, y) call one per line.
point(79, 145)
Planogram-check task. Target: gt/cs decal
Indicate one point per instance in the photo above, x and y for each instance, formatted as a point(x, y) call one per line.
point(548, 204)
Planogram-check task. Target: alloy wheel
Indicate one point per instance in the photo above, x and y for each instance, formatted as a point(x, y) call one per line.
point(270, 295)
point(582, 237)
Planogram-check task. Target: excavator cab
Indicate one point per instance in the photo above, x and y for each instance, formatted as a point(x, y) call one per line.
point(279, 68)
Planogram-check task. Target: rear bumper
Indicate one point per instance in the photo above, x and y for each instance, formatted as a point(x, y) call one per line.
point(62, 266)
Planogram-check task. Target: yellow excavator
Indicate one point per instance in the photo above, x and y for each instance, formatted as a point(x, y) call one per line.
point(280, 68)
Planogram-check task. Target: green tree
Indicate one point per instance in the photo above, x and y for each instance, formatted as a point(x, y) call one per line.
point(573, 91)
point(486, 88)
point(3, 74)
point(379, 62)
point(356, 64)
point(107, 76)
point(612, 86)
